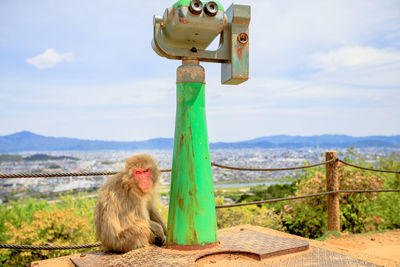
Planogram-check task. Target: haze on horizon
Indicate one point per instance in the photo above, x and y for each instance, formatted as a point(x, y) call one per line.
point(86, 70)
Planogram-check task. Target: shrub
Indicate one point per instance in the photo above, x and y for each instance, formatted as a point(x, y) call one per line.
point(228, 217)
point(384, 213)
point(307, 217)
point(16, 213)
point(263, 192)
point(39, 223)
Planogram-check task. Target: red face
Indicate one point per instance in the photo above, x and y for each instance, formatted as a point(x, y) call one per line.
point(143, 177)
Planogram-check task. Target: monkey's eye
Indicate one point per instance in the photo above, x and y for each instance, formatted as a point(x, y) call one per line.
point(146, 170)
point(137, 172)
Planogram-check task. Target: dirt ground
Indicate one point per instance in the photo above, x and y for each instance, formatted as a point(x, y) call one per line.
point(378, 245)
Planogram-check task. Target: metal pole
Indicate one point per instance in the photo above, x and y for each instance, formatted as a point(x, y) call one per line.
point(332, 184)
point(192, 222)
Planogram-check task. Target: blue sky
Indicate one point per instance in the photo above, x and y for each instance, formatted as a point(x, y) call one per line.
point(86, 69)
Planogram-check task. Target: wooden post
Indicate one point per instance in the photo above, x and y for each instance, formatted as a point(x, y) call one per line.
point(332, 184)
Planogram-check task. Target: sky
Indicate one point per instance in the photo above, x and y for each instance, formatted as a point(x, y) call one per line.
point(86, 69)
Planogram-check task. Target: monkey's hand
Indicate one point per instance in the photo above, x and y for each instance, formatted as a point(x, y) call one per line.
point(157, 234)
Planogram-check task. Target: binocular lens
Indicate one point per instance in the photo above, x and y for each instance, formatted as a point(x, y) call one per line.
point(195, 7)
point(211, 8)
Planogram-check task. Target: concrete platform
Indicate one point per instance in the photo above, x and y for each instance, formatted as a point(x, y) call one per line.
point(239, 246)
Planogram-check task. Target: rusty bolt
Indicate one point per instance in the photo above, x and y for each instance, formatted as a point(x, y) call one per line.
point(243, 38)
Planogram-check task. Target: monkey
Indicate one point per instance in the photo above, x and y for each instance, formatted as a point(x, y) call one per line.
point(126, 215)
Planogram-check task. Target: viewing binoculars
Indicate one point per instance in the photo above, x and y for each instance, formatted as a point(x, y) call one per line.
point(187, 28)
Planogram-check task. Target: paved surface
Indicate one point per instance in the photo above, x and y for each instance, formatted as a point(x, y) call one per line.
point(265, 249)
point(318, 257)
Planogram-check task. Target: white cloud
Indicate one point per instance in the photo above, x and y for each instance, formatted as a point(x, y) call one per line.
point(355, 56)
point(365, 67)
point(49, 59)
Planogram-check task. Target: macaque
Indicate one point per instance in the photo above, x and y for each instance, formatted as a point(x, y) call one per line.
point(126, 215)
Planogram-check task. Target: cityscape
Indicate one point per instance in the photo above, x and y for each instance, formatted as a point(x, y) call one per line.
point(105, 161)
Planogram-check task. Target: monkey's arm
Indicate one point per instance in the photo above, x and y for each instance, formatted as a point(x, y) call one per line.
point(156, 217)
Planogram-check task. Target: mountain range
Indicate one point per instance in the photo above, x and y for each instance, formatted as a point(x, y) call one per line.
point(28, 141)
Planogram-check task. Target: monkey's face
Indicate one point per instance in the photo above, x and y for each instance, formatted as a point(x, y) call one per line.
point(141, 173)
point(143, 177)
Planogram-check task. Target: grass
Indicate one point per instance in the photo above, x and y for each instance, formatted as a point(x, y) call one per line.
point(328, 234)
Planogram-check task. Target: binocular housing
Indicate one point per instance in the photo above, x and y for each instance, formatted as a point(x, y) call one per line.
point(188, 27)
point(191, 26)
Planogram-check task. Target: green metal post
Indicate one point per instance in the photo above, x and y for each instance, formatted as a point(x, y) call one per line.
point(192, 222)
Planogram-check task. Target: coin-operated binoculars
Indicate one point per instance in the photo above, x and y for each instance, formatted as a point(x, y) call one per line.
point(184, 32)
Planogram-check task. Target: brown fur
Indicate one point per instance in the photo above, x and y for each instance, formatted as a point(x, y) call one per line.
point(125, 217)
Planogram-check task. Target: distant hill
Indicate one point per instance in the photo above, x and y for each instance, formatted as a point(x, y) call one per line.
point(329, 140)
point(35, 157)
point(27, 141)
point(47, 157)
point(6, 157)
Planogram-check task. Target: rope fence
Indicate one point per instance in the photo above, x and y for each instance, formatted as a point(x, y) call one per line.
point(272, 170)
point(58, 174)
point(32, 247)
point(306, 196)
point(367, 169)
point(333, 161)
point(73, 174)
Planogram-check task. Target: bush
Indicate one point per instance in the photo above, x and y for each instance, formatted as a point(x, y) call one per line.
point(263, 192)
point(307, 217)
point(228, 217)
point(384, 216)
point(39, 223)
point(16, 213)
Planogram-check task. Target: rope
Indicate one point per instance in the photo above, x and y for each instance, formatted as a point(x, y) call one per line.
point(272, 200)
point(272, 170)
point(44, 175)
point(305, 196)
point(58, 174)
point(13, 246)
point(368, 191)
point(368, 169)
